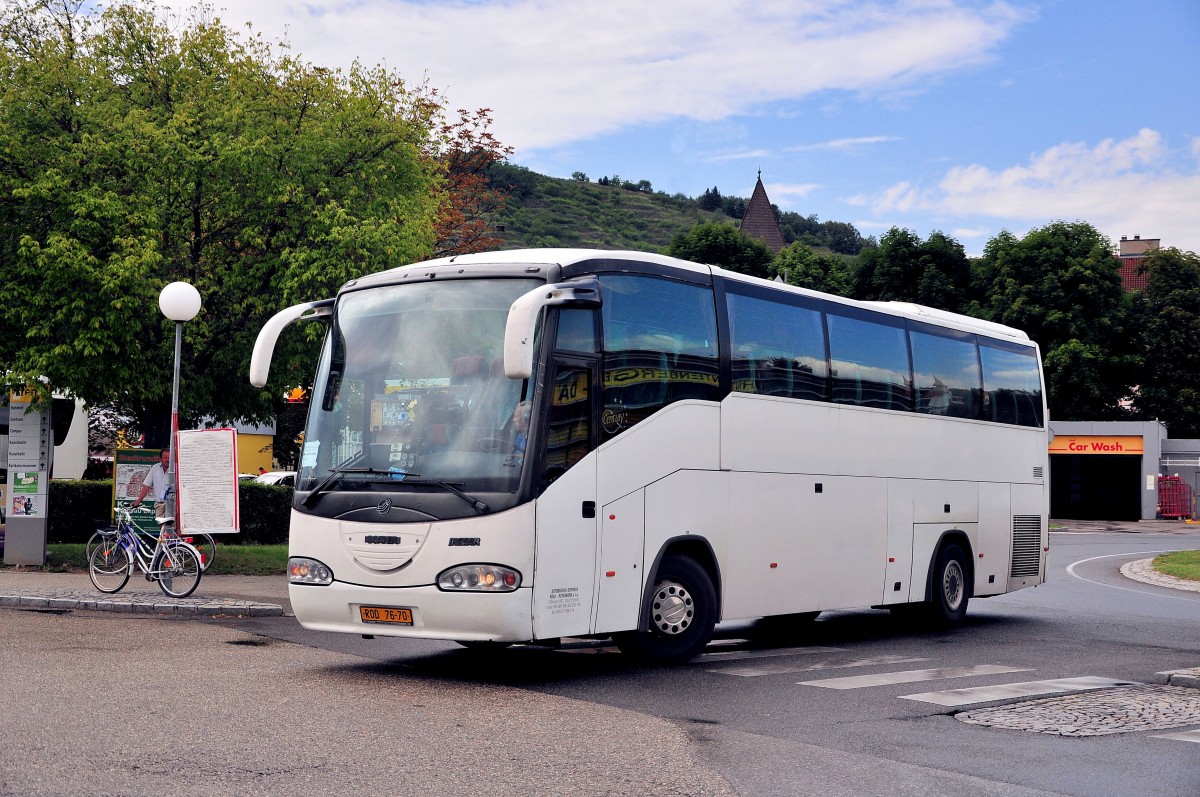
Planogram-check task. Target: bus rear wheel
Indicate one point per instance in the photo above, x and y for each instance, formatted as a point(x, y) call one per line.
point(951, 586)
point(681, 615)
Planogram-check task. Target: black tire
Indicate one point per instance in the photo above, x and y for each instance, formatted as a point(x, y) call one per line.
point(178, 570)
point(950, 586)
point(680, 617)
point(109, 566)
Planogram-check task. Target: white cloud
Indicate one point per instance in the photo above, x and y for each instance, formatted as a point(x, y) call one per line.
point(841, 144)
point(1121, 187)
point(782, 193)
point(739, 155)
point(557, 72)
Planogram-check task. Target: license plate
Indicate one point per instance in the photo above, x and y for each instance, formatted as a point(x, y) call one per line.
point(382, 614)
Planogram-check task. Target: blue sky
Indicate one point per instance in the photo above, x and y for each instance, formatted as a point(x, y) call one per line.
point(954, 115)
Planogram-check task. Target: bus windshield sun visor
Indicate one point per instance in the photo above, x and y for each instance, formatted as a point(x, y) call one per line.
point(523, 315)
point(264, 345)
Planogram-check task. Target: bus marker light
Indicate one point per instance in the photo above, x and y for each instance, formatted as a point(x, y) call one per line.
point(774, 565)
point(891, 559)
point(612, 517)
point(610, 573)
point(980, 556)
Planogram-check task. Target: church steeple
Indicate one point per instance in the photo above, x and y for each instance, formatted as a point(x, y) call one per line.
point(759, 219)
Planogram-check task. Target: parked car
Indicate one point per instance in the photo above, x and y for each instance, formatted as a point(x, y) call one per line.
point(285, 478)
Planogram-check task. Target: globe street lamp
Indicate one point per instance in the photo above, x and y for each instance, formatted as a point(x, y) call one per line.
point(179, 302)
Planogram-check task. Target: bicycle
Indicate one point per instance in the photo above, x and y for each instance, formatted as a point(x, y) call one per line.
point(173, 563)
point(204, 544)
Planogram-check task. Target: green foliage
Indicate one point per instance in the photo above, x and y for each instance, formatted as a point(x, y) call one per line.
point(76, 506)
point(903, 268)
point(134, 153)
point(800, 265)
point(723, 245)
point(1169, 383)
point(1061, 285)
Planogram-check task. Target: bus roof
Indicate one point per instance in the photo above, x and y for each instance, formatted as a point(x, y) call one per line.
point(566, 257)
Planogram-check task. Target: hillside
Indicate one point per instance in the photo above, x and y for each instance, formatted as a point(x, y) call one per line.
point(548, 212)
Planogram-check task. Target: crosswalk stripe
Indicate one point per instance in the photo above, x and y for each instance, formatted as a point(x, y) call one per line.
point(986, 694)
point(724, 655)
point(753, 671)
point(909, 676)
point(1184, 736)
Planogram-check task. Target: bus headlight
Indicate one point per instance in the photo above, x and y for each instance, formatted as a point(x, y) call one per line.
point(308, 571)
point(479, 578)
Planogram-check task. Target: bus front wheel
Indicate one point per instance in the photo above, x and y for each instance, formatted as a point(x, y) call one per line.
point(951, 586)
point(681, 614)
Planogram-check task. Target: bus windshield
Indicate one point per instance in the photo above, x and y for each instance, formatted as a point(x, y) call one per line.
point(411, 387)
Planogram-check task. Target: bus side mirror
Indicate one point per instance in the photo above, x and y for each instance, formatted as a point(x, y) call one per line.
point(264, 345)
point(522, 320)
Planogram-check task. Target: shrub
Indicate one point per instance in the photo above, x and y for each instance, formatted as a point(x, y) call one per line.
point(76, 506)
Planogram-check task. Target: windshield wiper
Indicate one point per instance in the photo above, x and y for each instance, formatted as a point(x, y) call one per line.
point(476, 504)
point(335, 475)
point(404, 476)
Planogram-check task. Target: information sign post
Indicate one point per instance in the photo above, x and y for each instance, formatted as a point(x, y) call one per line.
point(30, 458)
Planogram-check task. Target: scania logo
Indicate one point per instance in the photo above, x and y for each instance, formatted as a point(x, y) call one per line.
point(384, 507)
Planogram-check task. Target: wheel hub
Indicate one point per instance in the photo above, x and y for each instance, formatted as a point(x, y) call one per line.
point(672, 610)
point(952, 585)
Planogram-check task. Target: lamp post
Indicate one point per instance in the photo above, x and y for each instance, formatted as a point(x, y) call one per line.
point(179, 302)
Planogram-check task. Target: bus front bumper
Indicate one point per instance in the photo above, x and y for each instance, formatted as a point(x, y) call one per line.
point(435, 614)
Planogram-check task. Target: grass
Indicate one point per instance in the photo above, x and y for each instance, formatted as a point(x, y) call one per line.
point(1181, 564)
point(231, 559)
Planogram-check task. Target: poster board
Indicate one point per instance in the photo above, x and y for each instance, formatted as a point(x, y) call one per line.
point(208, 481)
point(131, 466)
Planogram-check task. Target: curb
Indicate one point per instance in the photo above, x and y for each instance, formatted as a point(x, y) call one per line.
point(139, 603)
point(1140, 570)
point(1189, 677)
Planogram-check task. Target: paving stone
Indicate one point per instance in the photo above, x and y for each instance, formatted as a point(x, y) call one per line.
point(1107, 711)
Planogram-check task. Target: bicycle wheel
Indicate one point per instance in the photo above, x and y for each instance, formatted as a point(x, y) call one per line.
point(109, 566)
point(178, 570)
point(206, 546)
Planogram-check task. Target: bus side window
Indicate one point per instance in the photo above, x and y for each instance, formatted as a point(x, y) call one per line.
point(869, 358)
point(777, 349)
point(946, 372)
point(660, 346)
point(1011, 384)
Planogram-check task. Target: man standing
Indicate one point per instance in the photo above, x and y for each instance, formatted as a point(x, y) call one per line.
point(157, 480)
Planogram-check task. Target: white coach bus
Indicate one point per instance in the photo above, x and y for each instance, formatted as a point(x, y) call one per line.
point(529, 445)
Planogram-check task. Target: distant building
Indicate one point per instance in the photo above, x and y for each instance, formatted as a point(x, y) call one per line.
point(759, 220)
point(1132, 255)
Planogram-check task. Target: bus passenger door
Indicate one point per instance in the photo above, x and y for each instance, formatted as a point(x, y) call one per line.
point(566, 518)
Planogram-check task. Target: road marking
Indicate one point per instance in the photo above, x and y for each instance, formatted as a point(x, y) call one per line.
point(987, 694)
point(909, 676)
point(753, 671)
point(1185, 736)
point(726, 655)
point(1071, 571)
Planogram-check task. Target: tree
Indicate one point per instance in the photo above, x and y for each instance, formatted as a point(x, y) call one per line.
point(134, 153)
point(710, 199)
point(799, 265)
point(903, 268)
point(579, 177)
point(1169, 380)
point(468, 150)
point(723, 245)
point(1061, 285)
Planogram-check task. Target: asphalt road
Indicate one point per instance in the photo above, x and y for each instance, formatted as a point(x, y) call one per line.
point(94, 703)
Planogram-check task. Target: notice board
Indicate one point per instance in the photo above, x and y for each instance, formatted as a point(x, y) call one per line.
point(208, 483)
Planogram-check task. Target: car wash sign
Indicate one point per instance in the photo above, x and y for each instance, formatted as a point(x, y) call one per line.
point(1097, 444)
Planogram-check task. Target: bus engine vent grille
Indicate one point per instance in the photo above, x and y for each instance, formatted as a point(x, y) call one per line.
point(1027, 545)
point(1037, 471)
